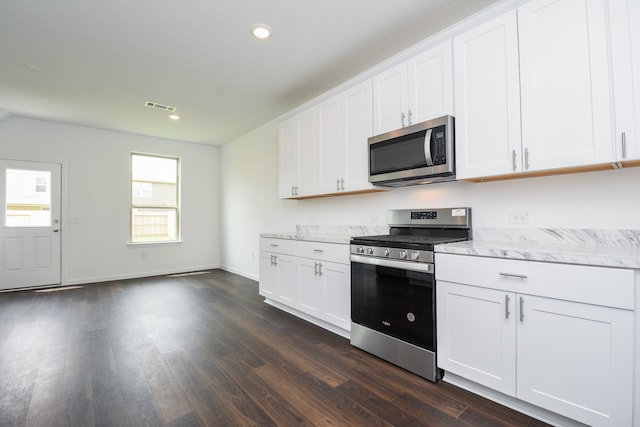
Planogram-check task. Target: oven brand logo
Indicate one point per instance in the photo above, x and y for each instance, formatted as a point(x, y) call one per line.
point(385, 323)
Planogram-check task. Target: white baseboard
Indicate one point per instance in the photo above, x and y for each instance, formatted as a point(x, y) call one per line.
point(137, 275)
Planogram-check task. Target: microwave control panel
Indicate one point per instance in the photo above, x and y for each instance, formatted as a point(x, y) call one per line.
point(439, 152)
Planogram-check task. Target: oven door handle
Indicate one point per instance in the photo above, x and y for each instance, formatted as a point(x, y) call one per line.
point(403, 265)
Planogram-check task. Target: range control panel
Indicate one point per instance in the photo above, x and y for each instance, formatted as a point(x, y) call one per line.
point(424, 214)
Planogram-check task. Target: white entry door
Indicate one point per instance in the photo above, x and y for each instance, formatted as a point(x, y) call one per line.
point(30, 224)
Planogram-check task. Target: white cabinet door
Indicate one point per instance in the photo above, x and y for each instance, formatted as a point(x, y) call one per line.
point(268, 286)
point(288, 158)
point(310, 287)
point(337, 285)
point(331, 144)
point(308, 155)
point(358, 128)
point(430, 84)
point(278, 277)
point(487, 99)
point(298, 155)
point(624, 17)
point(477, 335)
point(565, 84)
point(390, 99)
point(574, 359)
point(287, 289)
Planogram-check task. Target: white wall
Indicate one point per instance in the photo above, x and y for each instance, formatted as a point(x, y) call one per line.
point(250, 203)
point(95, 174)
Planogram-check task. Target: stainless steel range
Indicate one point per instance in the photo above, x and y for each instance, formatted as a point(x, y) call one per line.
point(393, 312)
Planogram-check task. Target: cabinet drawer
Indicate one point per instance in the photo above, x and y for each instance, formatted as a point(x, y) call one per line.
point(331, 252)
point(592, 285)
point(280, 246)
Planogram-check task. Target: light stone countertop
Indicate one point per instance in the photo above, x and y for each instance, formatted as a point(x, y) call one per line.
point(603, 248)
point(328, 233)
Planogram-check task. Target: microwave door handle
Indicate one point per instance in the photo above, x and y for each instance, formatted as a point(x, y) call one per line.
point(427, 147)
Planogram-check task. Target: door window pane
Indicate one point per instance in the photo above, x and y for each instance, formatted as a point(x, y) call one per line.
point(28, 198)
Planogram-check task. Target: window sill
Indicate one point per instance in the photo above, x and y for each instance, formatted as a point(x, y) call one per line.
point(167, 243)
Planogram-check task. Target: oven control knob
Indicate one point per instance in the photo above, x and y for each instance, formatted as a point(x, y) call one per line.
point(360, 250)
point(385, 252)
point(415, 256)
point(403, 254)
point(369, 251)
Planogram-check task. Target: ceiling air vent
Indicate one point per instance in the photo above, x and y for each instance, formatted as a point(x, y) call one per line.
point(160, 106)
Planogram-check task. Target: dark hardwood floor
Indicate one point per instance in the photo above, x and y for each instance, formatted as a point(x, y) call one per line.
point(202, 350)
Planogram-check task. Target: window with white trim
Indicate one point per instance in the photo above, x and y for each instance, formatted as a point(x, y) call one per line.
point(155, 198)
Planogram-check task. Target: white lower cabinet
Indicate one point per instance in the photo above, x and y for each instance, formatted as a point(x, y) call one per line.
point(278, 270)
point(514, 327)
point(312, 278)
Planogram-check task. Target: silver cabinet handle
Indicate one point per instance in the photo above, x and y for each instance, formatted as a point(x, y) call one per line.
point(624, 145)
point(519, 276)
point(402, 117)
point(274, 245)
point(275, 260)
point(315, 270)
point(513, 159)
point(318, 250)
point(337, 184)
point(319, 269)
point(427, 147)
point(526, 158)
point(521, 309)
point(341, 184)
point(410, 115)
point(506, 307)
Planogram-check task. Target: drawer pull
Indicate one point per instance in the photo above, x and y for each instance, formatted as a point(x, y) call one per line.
point(318, 250)
point(274, 245)
point(521, 309)
point(519, 276)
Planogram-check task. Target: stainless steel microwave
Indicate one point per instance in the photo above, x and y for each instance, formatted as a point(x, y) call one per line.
point(418, 154)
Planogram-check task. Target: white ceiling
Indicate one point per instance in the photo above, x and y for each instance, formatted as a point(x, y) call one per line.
point(95, 62)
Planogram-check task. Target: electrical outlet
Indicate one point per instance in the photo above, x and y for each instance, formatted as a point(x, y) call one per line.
point(520, 217)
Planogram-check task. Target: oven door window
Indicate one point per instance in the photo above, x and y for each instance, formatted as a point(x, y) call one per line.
point(393, 301)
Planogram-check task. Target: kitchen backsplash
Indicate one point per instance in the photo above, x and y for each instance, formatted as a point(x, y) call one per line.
point(342, 230)
point(561, 236)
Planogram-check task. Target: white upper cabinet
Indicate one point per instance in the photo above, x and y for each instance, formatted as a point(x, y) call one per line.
point(344, 125)
point(487, 99)
point(431, 83)
point(413, 91)
point(624, 26)
point(288, 158)
point(565, 84)
point(533, 90)
point(298, 155)
point(390, 104)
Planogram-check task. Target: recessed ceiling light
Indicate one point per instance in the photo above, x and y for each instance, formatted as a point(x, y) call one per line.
point(261, 31)
point(174, 117)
